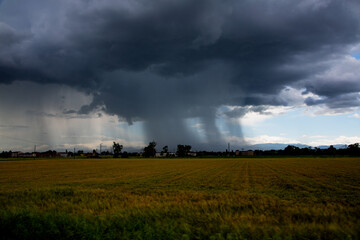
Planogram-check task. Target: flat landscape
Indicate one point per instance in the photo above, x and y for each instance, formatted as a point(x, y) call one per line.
point(230, 198)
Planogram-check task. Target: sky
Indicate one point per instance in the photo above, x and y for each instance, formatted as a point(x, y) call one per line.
point(80, 73)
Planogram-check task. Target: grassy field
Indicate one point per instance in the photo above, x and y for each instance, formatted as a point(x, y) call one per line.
point(248, 198)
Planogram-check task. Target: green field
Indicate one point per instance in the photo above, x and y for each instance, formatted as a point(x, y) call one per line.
point(247, 198)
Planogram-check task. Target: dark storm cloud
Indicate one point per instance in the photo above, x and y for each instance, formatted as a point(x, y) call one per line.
point(164, 61)
point(337, 83)
point(8, 36)
point(337, 102)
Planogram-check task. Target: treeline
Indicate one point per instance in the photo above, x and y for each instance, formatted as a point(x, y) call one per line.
point(185, 151)
point(351, 150)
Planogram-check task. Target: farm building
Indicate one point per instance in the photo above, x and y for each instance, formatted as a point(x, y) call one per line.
point(160, 154)
point(247, 153)
point(26, 155)
point(192, 154)
point(15, 154)
point(63, 154)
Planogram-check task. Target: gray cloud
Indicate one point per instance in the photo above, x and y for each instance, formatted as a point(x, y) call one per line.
point(338, 101)
point(340, 80)
point(13, 126)
point(8, 36)
point(170, 60)
point(71, 111)
point(239, 112)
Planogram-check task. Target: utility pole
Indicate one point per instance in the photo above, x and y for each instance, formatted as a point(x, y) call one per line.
point(100, 148)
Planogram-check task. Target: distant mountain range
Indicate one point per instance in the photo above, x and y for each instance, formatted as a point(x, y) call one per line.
point(261, 146)
point(281, 146)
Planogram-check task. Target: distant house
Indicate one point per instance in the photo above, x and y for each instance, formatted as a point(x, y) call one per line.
point(15, 154)
point(27, 155)
point(161, 154)
point(192, 154)
point(237, 153)
point(247, 153)
point(47, 154)
point(63, 154)
point(92, 155)
point(171, 154)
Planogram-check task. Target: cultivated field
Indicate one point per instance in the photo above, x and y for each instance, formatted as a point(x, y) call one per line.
point(247, 198)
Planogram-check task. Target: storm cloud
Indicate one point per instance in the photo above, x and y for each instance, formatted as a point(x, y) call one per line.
point(163, 62)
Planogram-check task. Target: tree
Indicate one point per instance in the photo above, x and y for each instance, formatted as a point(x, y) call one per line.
point(331, 150)
point(94, 154)
point(183, 150)
point(165, 150)
point(291, 150)
point(354, 149)
point(150, 150)
point(117, 149)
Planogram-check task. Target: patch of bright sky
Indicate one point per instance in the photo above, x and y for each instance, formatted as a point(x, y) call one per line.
point(304, 128)
point(356, 55)
point(354, 51)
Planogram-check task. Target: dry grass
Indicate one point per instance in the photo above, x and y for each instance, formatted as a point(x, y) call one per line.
point(286, 198)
